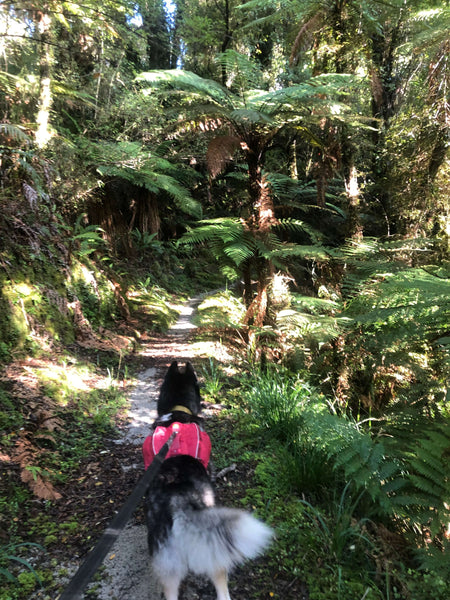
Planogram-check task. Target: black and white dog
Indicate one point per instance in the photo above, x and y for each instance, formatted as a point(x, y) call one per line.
point(186, 531)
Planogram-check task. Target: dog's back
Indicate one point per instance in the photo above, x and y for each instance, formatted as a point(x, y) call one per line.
point(182, 483)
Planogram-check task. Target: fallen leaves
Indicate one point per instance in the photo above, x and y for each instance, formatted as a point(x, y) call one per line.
point(39, 485)
point(29, 447)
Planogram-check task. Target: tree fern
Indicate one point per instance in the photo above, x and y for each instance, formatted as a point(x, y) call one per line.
point(231, 242)
point(308, 331)
point(406, 306)
point(400, 319)
point(242, 73)
point(267, 110)
point(424, 472)
point(178, 79)
point(295, 225)
point(14, 132)
point(252, 119)
point(133, 163)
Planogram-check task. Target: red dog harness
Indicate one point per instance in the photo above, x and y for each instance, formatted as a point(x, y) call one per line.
point(190, 439)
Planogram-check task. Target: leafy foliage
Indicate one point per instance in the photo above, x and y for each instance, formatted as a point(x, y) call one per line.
point(396, 471)
point(133, 163)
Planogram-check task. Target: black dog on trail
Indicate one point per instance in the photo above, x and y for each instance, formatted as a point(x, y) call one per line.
point(186, 531)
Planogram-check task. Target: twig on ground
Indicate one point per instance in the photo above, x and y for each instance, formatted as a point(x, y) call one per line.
point(226, 470)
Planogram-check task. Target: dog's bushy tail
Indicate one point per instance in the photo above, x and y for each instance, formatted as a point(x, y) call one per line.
point(217, 538)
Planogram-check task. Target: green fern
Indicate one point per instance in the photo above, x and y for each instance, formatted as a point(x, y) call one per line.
point(14, 132)
point(230, 242)
point(177, 79)
point(267, 111)
point(243, 72)
point(396, 333)
point(407, 307)
point(132, 162)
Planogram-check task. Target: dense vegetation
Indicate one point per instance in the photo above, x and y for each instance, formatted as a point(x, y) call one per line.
point(294, 153)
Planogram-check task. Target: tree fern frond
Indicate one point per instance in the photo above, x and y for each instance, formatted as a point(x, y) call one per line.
point(240, 176)
point(242, 72)
point(295, 225)
point(185, 80)
point(298, 324)
point(284, 187)
point(220, 153)
point(391, 485)
point(287, 251)
point(9, 83)
point(226, 237)
point(14, 132)
point(62, 89)
point(314, 305)
point(316, 91)
point(179, 193)
point(400, 301)
point(155, 182)
point(248, 116)
point(239, 252)
point(209, 229)
point(429, 487)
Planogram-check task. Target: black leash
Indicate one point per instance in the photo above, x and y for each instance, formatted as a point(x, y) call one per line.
point(74, 591)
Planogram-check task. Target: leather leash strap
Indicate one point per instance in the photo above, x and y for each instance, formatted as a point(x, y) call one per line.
point(75, 588)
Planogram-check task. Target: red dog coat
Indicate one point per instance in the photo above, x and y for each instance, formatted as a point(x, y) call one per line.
point(190, 439)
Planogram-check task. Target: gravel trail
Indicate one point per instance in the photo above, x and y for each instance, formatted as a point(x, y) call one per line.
point(127, 574)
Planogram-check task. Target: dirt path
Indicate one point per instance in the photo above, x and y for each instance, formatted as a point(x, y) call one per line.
point(126, 574)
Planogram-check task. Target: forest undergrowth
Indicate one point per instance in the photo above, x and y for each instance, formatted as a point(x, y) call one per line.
point(336, 412)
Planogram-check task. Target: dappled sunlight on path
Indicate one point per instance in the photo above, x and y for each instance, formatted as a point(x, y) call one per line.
point(127, 573)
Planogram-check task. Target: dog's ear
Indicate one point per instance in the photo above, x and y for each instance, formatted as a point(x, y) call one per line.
point(189, 369)
point(173, 367)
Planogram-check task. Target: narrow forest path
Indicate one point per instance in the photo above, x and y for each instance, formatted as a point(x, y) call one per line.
point(126, 573)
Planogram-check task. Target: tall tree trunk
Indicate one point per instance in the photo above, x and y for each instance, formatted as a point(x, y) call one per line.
point(44, 23)
point(156, 29)
point(354, 227)
point(226, 39)
point(293, 169)
point(262, 220)
point(386, 97)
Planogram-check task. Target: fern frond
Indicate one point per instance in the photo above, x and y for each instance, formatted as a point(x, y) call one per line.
point(209, 229)
point(314, 305)
point(240, 252)
point(295, 225)
point(133, 163)
point(411, 304)
point(280, 184)
point(249, 116)
point(9, 83)
point(62, 89)
point(179, 79)
point(242, 72)
point(287, 251)
point(14, 132)
point(220, 153)
point(227, 238)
